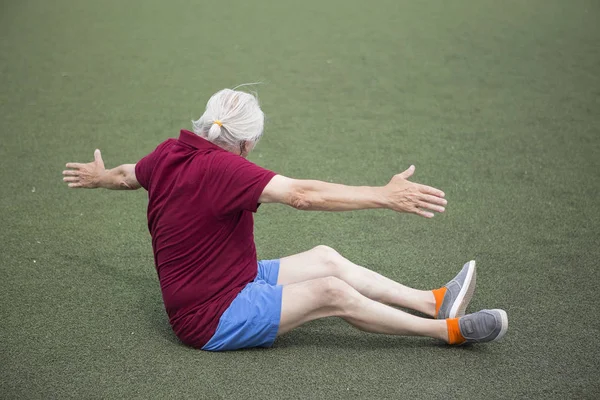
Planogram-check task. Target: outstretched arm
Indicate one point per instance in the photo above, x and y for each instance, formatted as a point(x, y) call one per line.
point(94, 175)
point(399, 195)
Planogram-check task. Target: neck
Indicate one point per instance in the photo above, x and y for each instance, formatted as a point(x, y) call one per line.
point(239, 150)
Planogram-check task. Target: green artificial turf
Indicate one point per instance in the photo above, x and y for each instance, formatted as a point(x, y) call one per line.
point(496, 103)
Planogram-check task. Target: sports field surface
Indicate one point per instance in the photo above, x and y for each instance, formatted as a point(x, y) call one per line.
point(495, 102)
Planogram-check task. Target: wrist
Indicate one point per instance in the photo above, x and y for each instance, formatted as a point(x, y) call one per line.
point(381, 197)
point(102, 180)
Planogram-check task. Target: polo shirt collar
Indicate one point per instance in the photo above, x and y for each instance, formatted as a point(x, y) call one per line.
point(191, 139)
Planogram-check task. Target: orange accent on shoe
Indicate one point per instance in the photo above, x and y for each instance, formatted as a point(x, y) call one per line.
point(454, 335)
point(439, 298)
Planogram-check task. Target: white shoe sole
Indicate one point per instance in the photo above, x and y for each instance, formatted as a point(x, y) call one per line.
point(504, 318)
point(466, 293)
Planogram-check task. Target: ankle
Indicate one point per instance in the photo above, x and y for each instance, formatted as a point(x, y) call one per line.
point(453, 331)
point(444, 334)
point(431, 304)
point(437, 296)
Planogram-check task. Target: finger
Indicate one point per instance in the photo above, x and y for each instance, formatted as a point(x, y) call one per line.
point(71, 179)
point(75, 185)
point(432, 207)
point(98, 157)
point(74, 165)
point(424, 213)
point(431, 190)
point(433, 199)
point(71, 172)
point(408, 173)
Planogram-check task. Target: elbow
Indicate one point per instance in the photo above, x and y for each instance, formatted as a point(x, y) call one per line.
point(124, 185)
point(121, 179)
point(300, 199)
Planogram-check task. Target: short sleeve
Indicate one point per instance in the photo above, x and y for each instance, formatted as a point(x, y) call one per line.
point(236, 183)
point(144, 167)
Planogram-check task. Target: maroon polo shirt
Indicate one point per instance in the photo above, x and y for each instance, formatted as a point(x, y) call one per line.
point(201, 200)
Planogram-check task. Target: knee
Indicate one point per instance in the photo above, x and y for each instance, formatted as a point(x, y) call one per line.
point(338, 294)
point(327, 255)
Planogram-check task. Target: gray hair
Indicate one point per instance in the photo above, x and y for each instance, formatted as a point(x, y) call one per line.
point(231, 117)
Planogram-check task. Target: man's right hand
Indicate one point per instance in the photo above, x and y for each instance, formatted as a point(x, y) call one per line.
point(94, 175)
point(86, 176)
point(410, 197)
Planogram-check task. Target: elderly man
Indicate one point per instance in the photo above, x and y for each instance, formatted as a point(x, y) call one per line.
point(202, 195)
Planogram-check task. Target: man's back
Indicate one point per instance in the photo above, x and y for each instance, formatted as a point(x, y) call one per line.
point(199, 215)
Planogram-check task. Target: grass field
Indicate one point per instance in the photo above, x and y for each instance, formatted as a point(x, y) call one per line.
point(496, 103)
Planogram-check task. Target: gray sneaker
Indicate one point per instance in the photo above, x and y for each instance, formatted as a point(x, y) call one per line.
point(459, 292)
point(483, 326)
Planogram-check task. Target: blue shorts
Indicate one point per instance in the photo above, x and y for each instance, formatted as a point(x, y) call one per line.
point(252, 319)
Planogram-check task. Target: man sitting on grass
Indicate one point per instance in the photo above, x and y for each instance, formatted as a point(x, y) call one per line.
point(202, 193)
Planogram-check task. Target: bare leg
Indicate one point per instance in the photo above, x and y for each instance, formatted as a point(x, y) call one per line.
point(330, 296)
point(323, 261)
